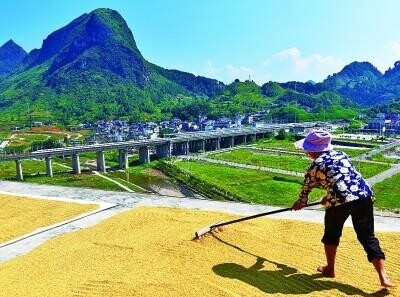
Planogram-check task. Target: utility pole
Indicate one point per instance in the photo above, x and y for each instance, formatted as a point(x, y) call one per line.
point(30, 119)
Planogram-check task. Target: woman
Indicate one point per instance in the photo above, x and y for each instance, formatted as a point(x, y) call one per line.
point(348, 194)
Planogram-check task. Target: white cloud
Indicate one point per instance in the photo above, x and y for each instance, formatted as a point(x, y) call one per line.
point(229, 72)
point(293, 54)
point(387, 55)
point(239, 72)
point(211, 69)
point(395, 46)
point(290, 64)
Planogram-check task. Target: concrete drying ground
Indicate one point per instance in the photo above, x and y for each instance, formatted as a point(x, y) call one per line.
point(150, 252)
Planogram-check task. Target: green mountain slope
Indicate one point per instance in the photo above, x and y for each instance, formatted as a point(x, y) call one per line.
point(11, 56)
point(92, 69)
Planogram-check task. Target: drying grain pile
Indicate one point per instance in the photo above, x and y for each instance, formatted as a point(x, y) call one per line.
point(22, 215)
point(150, 252)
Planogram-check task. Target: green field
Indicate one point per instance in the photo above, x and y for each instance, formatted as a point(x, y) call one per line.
point(4, 135)
point(287, 144)
point(352, 152)
point(387, 193)
point(35, 172)
point(368, 170)
point(29, 167)
point(252, 185)
point(30, 137)
point(137, 175)
point(85, 180)
point(272, 189)
point(381, 158)
point(282, 161)
point(111, 159)
point(289, 162)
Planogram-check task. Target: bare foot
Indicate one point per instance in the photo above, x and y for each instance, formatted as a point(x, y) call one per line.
point(386, 283)
point(326, 271)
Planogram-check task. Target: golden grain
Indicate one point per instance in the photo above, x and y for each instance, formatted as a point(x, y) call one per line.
point(150, 252)
point(22, 215)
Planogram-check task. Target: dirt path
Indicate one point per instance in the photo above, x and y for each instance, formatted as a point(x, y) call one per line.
point(113, 181)
point(377, 150)
point(384, 175)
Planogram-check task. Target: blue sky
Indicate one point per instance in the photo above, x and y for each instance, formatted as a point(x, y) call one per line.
point(278, 40)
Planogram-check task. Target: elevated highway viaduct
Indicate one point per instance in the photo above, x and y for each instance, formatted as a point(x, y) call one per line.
point(180, 144)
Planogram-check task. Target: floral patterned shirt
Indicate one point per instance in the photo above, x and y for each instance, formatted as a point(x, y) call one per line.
point(334, 172)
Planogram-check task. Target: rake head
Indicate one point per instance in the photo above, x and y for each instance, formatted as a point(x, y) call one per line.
point(206, 230)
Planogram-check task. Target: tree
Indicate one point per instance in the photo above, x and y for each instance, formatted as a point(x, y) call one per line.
point(281, 134)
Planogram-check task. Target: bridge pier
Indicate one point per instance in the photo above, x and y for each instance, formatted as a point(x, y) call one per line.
point(227, 142)
point(195, 146)
point(243, 139)
point(175, 149)
point(185, 148)
point(123, 159)
point(182, 148)
point(231, 141)
point(251, 137)
point(18, 165)
point(209, 145)
point(218, 143)
point(192, 146)
point(144, 154)
point(198, 145)
point(101, 162)
point(76, 166)
point(164, 150)
point(49, 167)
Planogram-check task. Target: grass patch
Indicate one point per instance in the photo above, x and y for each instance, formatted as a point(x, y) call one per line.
point(380, 157)
point(252, 185)
point(290, 162)
point(387, 193)
point(35, 172)
point(138, 175)
point(368, 170)
point(84, 180)
point(286, 144)
point(284, 162)
point(32, 137)
point(29, 167)
point(139, 169)
point(110, 157)
point(4, 135)
point(127, 184)
point(352, 152)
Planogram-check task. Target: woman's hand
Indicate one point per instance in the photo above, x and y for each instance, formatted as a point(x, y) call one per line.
point(297, 205)
point(324, 201)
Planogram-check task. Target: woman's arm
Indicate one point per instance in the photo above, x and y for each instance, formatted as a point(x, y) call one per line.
point(308, 185)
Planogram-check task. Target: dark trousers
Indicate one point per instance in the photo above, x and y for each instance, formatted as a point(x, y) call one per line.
point(361, 212)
